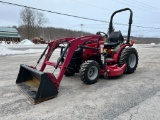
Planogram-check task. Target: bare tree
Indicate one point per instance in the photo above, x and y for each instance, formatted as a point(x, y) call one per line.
point(30, 22)
point(40, 21)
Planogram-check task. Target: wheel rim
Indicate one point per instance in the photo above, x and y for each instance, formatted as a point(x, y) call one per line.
point(132, 60)
point(92, 72)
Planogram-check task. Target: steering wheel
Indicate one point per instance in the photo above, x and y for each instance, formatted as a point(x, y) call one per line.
point(103, 34)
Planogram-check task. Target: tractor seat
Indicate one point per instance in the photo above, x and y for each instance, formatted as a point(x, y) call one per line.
point(111, 44)
point(114, 40)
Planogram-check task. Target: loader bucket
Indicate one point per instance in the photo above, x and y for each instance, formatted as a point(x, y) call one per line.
point(37, 85)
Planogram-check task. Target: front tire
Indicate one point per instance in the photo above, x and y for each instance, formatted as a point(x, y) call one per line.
point(129, 56)
point(70, 70)
point(89, 72)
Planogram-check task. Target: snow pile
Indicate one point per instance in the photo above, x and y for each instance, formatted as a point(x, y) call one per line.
point(26, 42)
point(3, 43)
point(153, 44)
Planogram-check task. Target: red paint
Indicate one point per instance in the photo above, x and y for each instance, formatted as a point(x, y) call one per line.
point(74, 44)
point(92, 41)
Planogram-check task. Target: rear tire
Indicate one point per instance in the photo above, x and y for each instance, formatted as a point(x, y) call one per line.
point(89, 72)
point(129, 56)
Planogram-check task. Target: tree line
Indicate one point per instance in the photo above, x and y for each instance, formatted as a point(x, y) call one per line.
point(31, 26)
point(50, 33)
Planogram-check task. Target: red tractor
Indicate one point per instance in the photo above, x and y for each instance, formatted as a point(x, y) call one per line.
point(90, 56)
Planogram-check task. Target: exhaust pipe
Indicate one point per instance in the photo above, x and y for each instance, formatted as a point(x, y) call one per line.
point(37, 85)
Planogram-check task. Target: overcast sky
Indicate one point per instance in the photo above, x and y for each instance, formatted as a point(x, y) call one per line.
point(145, 13)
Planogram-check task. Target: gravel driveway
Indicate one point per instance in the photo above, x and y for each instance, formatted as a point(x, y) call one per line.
point(105, 100)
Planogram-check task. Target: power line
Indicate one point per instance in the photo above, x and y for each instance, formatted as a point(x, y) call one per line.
point(141, 4)
point(75, 16)
point(146, 5)
point(136, 7)
point(145, 27)
point(91, 5)
point(152, 22)
point(121, 24)
point(99, 7)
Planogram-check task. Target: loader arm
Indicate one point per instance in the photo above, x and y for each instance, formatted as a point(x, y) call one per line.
point(73, 44)
point(52, 46)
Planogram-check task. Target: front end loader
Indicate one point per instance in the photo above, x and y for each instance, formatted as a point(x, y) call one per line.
point(91, 56)
point(39, 85)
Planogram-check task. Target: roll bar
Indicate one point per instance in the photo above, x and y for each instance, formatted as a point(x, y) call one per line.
point(130, 22)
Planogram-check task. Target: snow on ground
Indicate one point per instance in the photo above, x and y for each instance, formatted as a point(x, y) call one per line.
point(24, 47)
point(28, 47)
point(4, 50)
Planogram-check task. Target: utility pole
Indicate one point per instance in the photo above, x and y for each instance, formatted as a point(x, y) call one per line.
point(81, 29)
